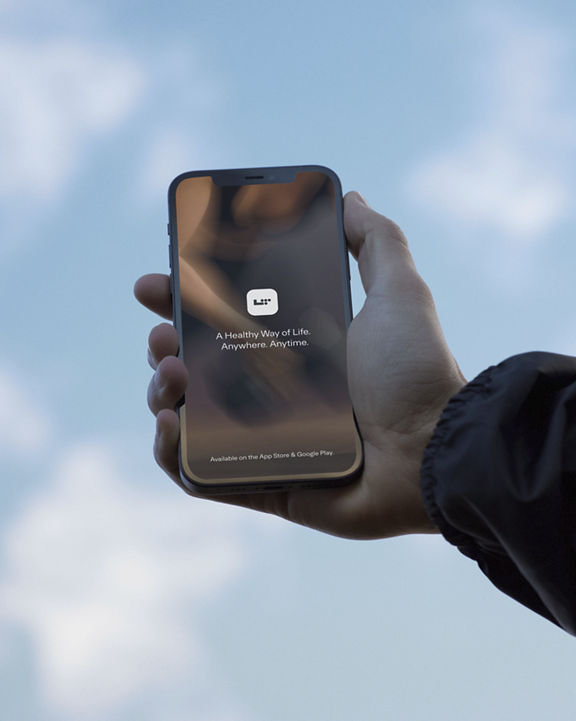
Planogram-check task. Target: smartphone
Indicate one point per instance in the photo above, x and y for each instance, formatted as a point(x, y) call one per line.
point(261, 300)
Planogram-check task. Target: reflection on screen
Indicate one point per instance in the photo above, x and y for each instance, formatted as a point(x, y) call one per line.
point(264, 329)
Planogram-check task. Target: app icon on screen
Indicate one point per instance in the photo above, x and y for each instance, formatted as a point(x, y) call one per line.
point(262, 301)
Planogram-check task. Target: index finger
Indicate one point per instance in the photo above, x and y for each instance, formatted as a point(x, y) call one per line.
point(153, 291)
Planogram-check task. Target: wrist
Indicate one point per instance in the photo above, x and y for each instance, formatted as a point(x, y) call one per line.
point(422, 522)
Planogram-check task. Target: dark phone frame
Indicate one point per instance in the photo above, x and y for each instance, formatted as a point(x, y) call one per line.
point(257, 176)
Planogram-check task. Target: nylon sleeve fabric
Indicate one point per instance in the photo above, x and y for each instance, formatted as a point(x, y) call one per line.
point(499, 479)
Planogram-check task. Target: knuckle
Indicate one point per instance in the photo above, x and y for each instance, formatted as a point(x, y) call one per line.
point(405, 283)
point(418, 287)
point(152, 335)
point(157, 452)
point(395, 232)
point(152, 360)
point(155, 393)
point(151, 399)
point(387, 229)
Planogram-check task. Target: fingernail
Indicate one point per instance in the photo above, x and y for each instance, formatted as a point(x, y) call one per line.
point(361, 198)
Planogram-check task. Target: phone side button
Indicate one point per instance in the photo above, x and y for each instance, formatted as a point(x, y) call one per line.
point(170, 256)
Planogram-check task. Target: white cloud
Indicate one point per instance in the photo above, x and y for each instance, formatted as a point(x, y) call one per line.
point(56, 97)
point(25, 428)
point(166, 156)
point(169, 152)
point(512, 173)
point(106, 577)
point(178, 140)
point(487, 182)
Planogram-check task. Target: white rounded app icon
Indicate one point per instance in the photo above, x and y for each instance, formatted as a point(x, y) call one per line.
point(262, 301)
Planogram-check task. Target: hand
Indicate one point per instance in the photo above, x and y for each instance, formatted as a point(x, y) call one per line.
point(400, 374)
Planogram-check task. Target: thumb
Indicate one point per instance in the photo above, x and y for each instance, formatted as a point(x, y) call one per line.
point(378, 244)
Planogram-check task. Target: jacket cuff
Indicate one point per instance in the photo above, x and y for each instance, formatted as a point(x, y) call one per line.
point(498, 479)
point(456, 412)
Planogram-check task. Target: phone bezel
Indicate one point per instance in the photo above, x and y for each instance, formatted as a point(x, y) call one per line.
point(192, 483)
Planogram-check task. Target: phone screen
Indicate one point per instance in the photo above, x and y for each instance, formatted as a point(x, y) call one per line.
point(262, 300)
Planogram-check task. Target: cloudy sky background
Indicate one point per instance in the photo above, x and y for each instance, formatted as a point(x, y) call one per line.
point(120, 597)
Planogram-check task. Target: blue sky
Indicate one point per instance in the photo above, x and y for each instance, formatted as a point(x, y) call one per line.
point(120, 597)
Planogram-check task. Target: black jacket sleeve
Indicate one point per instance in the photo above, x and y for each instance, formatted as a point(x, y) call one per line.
point(499, 479)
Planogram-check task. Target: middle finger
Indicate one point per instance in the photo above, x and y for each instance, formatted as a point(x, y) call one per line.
point(168, 384)
point(162, 342)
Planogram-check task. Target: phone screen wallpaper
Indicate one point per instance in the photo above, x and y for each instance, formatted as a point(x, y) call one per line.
point(263, 301)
